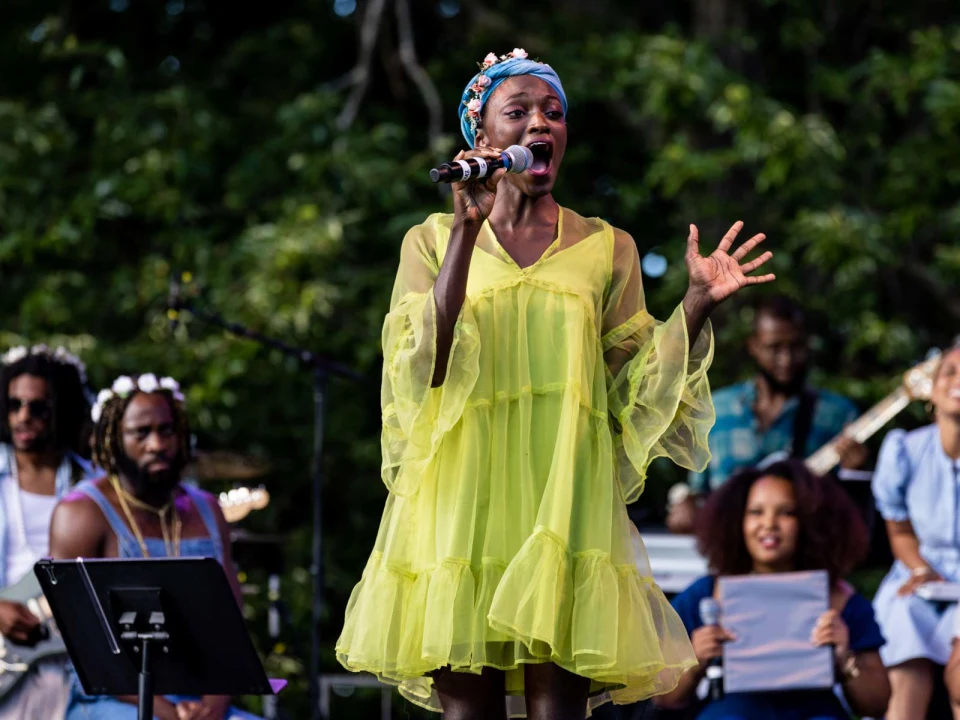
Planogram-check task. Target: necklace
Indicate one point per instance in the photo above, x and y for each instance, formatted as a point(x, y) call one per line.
point(171, 537)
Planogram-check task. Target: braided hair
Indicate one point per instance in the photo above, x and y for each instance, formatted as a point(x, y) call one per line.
point(65, 388)
point(107, 440)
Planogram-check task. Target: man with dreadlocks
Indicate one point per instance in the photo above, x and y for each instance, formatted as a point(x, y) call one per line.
point(141, 509)
point(43, 413)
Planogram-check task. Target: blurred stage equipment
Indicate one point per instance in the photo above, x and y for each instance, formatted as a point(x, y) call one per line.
point(239, 502)
point(254, 550)
point(345, 683)
point(321, 369)
point(674, 559)
point(225, 465)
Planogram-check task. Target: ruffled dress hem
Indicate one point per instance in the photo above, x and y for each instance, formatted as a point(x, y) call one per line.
point(546, 605)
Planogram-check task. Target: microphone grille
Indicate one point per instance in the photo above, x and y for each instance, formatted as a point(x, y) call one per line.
point(520, 158)
point(709, 611)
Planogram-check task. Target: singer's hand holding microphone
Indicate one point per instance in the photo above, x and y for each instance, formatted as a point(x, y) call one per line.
point(475, 175)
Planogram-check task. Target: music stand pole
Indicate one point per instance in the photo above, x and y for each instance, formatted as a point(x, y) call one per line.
point(145, 685)
point(142, 643)
point(321, 368)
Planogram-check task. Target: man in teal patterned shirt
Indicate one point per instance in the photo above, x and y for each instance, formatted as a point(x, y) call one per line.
point(757, 418)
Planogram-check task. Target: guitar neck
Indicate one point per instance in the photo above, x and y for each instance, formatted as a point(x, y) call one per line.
point(861, 429)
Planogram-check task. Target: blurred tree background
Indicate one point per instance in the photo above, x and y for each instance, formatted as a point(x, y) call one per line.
point(277, 151)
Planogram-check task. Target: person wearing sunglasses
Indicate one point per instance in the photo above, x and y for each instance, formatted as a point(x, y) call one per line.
point(43, 431)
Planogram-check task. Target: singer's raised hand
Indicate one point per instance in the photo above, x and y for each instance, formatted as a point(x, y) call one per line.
point(708, 641)
point(473, 199)
point(718, 276)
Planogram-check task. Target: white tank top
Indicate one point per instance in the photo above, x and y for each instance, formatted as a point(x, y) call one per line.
point(28, 528)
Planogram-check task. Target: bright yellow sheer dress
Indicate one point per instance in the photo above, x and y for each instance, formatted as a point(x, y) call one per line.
point(505, 537)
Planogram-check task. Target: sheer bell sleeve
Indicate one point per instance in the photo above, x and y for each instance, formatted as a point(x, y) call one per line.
point(415, 415)
point(658, 393)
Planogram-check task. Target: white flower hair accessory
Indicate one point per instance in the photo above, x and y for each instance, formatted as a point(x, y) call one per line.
point(59, 354)
point(148, 383)
point(168, 383)
point(15, 355)
point(125, 385)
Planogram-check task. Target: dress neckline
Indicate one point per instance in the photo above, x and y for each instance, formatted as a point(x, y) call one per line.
point(508, 258)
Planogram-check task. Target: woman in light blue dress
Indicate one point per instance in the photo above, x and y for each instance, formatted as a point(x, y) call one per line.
point(917, 490)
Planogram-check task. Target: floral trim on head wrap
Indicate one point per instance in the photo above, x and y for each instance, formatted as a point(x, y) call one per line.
point(59, 354)
point(493, 71)
point(124, 385)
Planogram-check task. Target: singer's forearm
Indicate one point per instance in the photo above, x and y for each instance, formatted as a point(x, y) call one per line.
point(696, 310)
point(685, 692)
point(450, 289)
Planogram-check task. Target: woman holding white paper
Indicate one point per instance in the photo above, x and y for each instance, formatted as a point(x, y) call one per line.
point(783, 519)
point(917, 489)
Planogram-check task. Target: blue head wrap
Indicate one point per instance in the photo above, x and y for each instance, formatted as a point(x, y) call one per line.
point(497, 73)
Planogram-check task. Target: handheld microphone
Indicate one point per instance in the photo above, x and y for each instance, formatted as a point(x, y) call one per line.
point(710, 615)
point(173, 301)
point(515, 159)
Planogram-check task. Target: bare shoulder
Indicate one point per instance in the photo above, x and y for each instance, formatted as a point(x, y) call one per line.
point(78, 507)
point(77, 528)
point(625, 251)
point(622, 239)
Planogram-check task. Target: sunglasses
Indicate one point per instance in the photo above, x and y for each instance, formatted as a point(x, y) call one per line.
point(36, 408)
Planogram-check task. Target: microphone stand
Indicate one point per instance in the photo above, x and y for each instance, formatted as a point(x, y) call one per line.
point(321, 369)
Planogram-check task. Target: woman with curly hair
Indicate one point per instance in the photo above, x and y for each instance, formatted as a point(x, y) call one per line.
point(784, 519)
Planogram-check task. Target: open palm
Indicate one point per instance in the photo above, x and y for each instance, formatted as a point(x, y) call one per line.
point(720, 275)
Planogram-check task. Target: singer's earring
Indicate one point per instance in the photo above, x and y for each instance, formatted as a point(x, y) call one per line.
point(929, 407)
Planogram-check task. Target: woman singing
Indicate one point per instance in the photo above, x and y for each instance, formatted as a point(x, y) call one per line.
point(525, 390)
point(917, 489)
point(783, 519)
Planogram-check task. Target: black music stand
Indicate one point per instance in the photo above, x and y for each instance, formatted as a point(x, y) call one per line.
point(163, 625)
